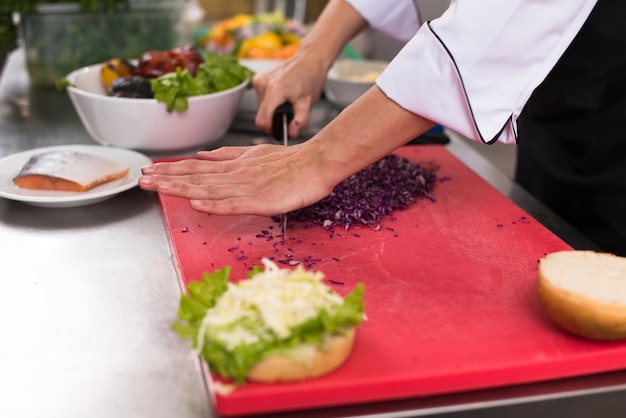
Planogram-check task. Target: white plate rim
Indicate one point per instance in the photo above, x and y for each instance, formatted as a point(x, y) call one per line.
point(10, 166)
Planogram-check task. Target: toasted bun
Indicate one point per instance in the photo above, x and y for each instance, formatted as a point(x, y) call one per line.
point(304, 362)
point(585, 293)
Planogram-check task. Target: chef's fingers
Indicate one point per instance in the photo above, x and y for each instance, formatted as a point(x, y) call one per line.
point(210, 196)
point(300, 120)
point(263, 118)
point(266, 110)
point(193, 186)
point(156, 176)
point(219, 199)
point(221, 154)
point(272, 91)
point(197, 179)
point(223, 160)
point(276, 199)
point(263, 180)
point(301, 111)
point(187, 166)
point(236, 206)
point(258, 204)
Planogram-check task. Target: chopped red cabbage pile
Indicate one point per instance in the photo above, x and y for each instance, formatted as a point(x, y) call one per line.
point(390, 184)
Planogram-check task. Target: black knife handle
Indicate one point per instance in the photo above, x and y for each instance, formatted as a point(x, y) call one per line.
point(277, 119)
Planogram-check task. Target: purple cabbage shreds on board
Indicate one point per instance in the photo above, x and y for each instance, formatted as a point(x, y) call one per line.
point(390, 184)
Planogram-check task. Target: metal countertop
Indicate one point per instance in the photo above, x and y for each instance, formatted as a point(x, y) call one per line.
point(88, 295)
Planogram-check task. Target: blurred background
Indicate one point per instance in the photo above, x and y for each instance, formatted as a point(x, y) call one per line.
point(216, 9)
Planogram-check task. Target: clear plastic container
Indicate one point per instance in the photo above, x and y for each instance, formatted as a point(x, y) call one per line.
point(59, 38)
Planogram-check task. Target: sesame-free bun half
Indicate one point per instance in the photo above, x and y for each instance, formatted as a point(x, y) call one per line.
point(304, 362)
point(584, 292)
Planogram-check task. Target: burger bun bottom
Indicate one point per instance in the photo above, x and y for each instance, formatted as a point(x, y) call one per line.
point(305, 362)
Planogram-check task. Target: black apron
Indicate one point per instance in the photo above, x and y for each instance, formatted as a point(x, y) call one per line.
point(572, 132)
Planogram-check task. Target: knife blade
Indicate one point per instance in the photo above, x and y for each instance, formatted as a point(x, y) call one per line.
point(280, 131)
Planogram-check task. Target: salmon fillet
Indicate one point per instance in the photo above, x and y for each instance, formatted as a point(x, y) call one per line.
point(68, 171)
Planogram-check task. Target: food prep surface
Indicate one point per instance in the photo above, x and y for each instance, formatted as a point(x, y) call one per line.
point(449, 293)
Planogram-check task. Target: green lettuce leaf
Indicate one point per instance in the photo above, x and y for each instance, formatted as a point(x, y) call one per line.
point(221, 72)
point(234, 364)
point(216, 73)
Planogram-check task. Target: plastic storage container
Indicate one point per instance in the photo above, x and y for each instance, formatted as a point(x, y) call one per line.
point(60, 38)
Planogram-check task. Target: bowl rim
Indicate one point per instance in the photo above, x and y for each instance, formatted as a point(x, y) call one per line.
point(96, 67)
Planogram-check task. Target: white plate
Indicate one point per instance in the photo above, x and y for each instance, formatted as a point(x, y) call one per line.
point(11, 165)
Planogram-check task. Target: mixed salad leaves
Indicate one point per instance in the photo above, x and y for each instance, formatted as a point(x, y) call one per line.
point(217, 73)
point(234, 325)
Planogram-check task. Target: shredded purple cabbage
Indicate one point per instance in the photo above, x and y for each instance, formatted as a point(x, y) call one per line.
point(390, 184)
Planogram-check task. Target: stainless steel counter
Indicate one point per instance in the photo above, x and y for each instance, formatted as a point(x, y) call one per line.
point(88, 295)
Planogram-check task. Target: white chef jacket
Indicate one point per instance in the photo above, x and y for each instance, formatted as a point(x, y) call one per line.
point(473, 69)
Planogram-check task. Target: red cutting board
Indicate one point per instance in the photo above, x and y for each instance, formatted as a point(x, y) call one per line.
point(449, 294)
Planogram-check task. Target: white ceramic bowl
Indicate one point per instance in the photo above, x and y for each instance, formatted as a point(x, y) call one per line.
point(249, 102)
point(145, 124)
point(349, 79)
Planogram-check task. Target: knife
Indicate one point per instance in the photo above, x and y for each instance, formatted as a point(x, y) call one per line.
point(280, 124)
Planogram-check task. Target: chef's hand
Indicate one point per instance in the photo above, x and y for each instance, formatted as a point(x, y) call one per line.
point(259, 180)
point(300, 79)
point(292, 81)
point(269, 179)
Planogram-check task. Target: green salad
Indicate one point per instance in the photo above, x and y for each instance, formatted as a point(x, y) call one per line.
point(217, 73)
point(234, 325)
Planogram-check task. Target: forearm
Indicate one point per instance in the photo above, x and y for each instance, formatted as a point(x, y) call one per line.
point(370, 128)
point(337, 24)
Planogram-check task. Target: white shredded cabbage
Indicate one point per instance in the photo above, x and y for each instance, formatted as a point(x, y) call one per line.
point(281, 298)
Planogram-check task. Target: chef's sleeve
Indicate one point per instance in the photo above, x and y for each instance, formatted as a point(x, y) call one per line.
point(397, 19)
point(473, 69)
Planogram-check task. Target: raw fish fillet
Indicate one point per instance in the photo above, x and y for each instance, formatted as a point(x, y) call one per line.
point(68, 171)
